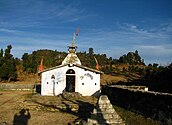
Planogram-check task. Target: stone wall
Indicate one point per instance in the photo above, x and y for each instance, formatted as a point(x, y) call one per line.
point(155, 105)
point(5, 86)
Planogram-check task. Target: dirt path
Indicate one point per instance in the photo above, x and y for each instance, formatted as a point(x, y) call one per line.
point(15, 105)
point(8, 102)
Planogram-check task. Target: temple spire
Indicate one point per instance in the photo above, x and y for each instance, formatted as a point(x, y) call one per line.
point(72, 48)
point(73, 44)
point(72, 58)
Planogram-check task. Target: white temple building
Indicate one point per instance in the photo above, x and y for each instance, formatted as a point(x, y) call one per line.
point(70, 76)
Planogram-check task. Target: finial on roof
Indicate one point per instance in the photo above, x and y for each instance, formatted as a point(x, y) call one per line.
point(72, 49)
point(73, 44)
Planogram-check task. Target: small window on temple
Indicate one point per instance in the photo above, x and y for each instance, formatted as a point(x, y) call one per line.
point(47, 82)
point(82, 83)
point(95, 83)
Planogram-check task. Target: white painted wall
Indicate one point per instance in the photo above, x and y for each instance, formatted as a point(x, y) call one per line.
point(86, 82)
point(59, 82)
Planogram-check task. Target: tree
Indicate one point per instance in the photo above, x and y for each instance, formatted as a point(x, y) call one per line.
point(7, 65)
point(7, 54)
point(149, 65)
point(1, 53)
point(123, 59)
point(155, 65)
point(28, 62)
point(1, 57)
point(110, 67)
point(131, 58)
point(4, 74)
point(138, 58)
point(11, 69)
point(91, 52)
point(51, 58)
point(91, 57)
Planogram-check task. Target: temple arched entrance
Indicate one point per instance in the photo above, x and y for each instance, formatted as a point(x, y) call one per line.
point(70, 80)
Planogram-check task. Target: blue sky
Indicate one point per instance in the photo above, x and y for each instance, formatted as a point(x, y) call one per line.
point(114, 27)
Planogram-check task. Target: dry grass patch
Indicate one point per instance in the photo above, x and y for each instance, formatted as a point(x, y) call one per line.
point(112, 79)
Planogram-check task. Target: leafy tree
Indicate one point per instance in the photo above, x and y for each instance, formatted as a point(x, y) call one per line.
point(131, 58)
point(110, 67)
point(1, 53)
point(25, 59)
point(7, 65)
point(11, 69)
point(91, 52)
point(7, 54)
point(51, 59)
point(4, 72)
point(155, 65)
point(149, 65)
point(91, 57)
point(1, 57)
point(138, 58)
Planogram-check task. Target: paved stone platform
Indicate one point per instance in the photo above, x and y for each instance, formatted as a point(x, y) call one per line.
point(104, 113)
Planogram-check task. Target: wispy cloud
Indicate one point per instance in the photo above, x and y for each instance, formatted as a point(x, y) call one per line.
point(27, 45)
point(36, 13)
point(135, 31)
point(156, 50)
point(158, 53)
point(152, 42)
point(9, 30)
point(31, 25)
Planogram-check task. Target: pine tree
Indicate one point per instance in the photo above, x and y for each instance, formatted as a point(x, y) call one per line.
point(7, 54)
point(7, 65)
point(1, 57)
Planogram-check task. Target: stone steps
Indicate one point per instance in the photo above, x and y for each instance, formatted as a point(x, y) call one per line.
point(104, 113)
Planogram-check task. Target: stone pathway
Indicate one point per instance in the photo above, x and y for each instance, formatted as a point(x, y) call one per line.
point(104, 114)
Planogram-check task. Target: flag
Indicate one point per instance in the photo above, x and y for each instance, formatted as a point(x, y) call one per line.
point(77, 32)
point(97, 65)
point(41, 67)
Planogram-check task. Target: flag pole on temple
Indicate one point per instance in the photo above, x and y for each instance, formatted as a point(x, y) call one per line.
point(74, 35)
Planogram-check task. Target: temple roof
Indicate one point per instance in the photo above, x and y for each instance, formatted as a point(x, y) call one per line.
point(71, 58)
point(74, 65)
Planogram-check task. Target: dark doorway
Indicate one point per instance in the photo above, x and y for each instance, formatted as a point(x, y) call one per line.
point(70, 80)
